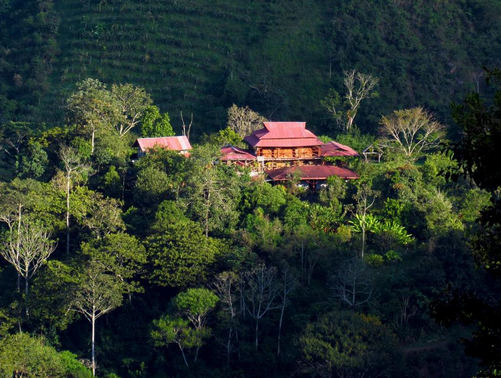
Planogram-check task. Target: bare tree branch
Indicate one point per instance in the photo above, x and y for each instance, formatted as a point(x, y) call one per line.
point(352, 285)
point(411, 132)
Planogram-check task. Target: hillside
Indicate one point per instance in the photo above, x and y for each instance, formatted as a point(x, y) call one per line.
point(279, 57)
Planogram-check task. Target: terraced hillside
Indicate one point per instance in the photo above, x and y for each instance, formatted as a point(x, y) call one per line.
point(280, 57)
point(194, 56)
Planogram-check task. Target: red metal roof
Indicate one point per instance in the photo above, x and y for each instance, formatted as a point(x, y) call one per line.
point(337, 149)
point(283, 134)
point(176, 143)
point(312, 172)
point(235, 153)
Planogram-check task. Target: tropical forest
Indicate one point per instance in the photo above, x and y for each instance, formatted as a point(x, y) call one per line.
point(250, 189)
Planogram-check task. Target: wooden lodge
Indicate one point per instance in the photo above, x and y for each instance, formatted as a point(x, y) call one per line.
point(283, 148)
point(284, 144)
point(279, 150)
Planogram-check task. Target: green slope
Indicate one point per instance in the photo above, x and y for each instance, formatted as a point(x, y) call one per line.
point(278, 56)
point(196, 56)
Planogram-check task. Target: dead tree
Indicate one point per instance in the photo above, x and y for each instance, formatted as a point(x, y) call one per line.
point(289, 283)
point(261, 292)
point(411, 132)
point(96, 294)
point(226, 288)
point(352, 285)
point(358, 87)
point(187, 129)
point(13, 221)
point(27, 248)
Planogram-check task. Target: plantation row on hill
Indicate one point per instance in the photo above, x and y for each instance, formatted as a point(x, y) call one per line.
point(280, 57)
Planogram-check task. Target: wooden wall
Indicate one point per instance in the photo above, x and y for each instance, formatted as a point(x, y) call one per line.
point(289, 153)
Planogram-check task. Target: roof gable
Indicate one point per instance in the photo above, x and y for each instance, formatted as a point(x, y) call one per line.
point(283, 134)
point(234, 153)
point(337, 149)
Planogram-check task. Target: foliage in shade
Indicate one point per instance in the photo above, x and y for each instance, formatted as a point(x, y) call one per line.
point(23, 355)
point(349, 344)
point(198, 270)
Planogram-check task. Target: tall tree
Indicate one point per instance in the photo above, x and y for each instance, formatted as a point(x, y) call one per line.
point(226, 288)
point(261, 292)
point(352, 285)
point(20, 197)
point(121, 255)
point(95, 295)
point(212, 191)
point(74, 165)
point(27, 248)
point(244, 121)
point(196, 304)
point(175, 330)
point(132, 102)
point(359, 86)
point(93, 107)
point(154, 124)
point(288, 284)
point(347, 344)
point(363, 221)
point(180, 254)
point(22, 355)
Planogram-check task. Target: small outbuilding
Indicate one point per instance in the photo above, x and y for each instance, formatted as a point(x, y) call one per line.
point(174, 143)
point(335, 149)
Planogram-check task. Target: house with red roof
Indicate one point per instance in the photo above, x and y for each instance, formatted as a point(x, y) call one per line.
point(280, 150)
point(287, 149)
point(282, 144)
point(174, 143)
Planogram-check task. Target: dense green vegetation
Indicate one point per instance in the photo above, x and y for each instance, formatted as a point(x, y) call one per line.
point(174, 266)
point(168, 266)
point(279, 57)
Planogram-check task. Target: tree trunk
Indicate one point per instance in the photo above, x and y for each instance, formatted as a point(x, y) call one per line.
point(228, 347)
point(257, 333)
point(349, 123)
point(196, 354)
point(92, 140)
point(280, 327)
point(18, 247)
point(302, 257)
point(363, 241)
point(238, 343)
point(93, 345)
point(309, 274)
point(207, 206)
point(184, 357)
point(122, 195)
point(26, 285)
point(68, 183)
